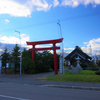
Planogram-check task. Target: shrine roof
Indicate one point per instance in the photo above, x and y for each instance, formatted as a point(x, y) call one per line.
point(77, 51)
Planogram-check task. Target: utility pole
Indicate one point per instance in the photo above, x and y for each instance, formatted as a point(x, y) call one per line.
point(21, 53)
point(62, 47)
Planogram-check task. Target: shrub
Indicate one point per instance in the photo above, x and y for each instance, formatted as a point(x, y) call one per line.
point(97, 72)
point(84, 66)
point(32, 71)
point(94, 67)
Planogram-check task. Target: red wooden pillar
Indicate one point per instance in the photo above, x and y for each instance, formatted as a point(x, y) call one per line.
point(33, 52)
point(55, 58)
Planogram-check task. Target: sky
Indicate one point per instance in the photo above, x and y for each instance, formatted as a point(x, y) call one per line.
point(36, 20)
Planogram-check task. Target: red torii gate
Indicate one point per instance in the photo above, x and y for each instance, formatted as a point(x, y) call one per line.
point(48, 48)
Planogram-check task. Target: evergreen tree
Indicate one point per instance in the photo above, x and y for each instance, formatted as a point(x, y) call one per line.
point(27, 63)
point(16, 56)
point(4, 58)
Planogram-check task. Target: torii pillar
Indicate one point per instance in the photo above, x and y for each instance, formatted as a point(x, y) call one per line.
point(49, 48)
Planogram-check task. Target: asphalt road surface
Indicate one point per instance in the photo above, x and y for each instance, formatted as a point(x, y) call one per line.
point(14, 91)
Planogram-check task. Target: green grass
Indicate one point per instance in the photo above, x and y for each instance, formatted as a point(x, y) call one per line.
point(87, 76)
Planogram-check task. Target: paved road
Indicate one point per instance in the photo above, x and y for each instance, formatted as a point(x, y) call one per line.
point(24, 87)
point(29, 79)
point(10, 91)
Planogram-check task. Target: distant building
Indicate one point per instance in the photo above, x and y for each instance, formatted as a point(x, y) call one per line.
point(85, 59)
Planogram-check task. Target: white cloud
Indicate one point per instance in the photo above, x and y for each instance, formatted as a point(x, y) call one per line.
point(94, 45)
point(9, 40)
point(58, 44)
point(94, 6)
point(43, 46)
point(14, 8)
point(14, 40)
point(24, 8)
point(1, 49)
point(19, 9)
point(41, 5)
point(72, 3)
point(55, 3)
point(68, 50)
point(75, 3)
point(24, 38)
point(6, 21)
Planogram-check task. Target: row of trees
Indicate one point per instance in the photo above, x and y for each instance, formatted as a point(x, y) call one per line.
point(13, 56)
point(43, 61)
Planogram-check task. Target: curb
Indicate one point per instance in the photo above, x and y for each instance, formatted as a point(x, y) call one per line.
point(74, 87)
point(58, 86)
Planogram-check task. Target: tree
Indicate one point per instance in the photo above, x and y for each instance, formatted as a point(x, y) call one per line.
point(27, 63)
point(44, 61)
point(4, 58)
point(16, 57)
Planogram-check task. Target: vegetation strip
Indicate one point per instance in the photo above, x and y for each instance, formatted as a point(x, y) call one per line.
point(86, 76)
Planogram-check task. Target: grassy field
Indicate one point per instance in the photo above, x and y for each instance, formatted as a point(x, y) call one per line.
point(87, 76)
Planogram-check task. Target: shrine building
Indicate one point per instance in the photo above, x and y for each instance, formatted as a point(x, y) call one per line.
point(84, 58)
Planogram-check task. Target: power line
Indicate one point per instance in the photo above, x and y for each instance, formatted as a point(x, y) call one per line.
point(53, 21)
point(81, 16)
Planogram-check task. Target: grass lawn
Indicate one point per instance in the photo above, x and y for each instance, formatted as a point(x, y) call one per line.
point(87, 76)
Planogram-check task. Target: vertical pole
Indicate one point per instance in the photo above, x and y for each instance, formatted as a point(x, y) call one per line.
point(62, 48)
point(0, 66)
point(20, 55)
point(33, 52)
point(20, 63)
point(55, 59)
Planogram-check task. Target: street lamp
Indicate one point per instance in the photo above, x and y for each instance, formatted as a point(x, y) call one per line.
point(62, 47)
point(60, 28)
point(21, 52)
